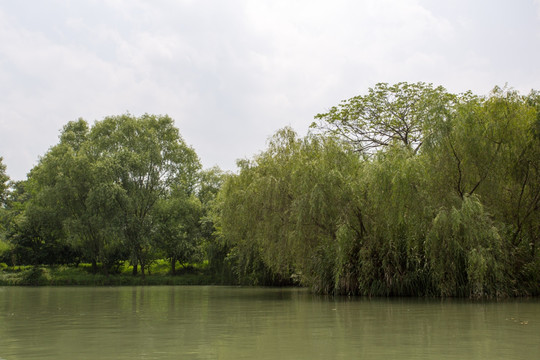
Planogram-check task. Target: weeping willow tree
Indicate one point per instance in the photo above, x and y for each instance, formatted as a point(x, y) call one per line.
point(490, 151)
point(465, 252)
point(443, 201)
point(326, 215)
point(238, 217)
point(282, 214)
point(397, 215)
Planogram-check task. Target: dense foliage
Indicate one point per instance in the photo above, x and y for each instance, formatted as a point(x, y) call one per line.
point(127, 188)
point(408, 190)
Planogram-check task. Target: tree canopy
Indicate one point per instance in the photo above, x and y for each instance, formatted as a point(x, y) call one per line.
point(387, 115)
point(447, 203)
point(101, 191)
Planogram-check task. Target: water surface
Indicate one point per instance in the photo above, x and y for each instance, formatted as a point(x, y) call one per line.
point(245, 323)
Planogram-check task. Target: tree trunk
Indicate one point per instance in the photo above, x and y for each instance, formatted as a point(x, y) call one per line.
point(135, 267)
point(173, 266)
point(94, 266)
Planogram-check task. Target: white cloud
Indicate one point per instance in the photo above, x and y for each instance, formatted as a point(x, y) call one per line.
point(231, 73)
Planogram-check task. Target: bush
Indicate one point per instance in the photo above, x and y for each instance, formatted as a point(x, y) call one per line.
point(35, 276)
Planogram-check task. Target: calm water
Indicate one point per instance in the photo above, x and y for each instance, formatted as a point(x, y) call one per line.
point(246, 323)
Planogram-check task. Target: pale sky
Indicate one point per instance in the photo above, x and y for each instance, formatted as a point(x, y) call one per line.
point(232, 72)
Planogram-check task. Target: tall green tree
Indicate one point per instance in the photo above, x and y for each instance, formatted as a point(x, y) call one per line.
point(285, 214)
point(143, 158)
point(235, 215)
point(100, 191)
point(215, 251)
point(67, 181)
point(490, 149)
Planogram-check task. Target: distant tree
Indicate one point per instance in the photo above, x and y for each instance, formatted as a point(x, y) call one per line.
point(176, 230)
point(4, 179)
point(10, 217)
point(210, 182)
point(4, 183)
point(35, 228)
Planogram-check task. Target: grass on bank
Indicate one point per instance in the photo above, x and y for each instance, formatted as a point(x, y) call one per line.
point(82, 275)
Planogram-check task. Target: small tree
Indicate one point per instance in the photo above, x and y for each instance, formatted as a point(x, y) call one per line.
point(176, 230)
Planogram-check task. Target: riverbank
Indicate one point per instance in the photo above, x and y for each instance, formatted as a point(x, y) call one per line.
point(80, 276)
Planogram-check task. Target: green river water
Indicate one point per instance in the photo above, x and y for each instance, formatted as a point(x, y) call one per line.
point(205, 322)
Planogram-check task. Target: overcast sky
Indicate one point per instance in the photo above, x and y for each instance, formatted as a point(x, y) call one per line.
point(232, 72)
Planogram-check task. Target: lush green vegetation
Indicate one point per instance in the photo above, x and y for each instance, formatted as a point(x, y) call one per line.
point(408, 190)
point(83, 275)
point(125, 189)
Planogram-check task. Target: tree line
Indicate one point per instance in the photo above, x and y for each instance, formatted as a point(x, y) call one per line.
point(407, 190)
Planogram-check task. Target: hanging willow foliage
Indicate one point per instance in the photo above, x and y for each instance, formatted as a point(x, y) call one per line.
point(457, 216)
